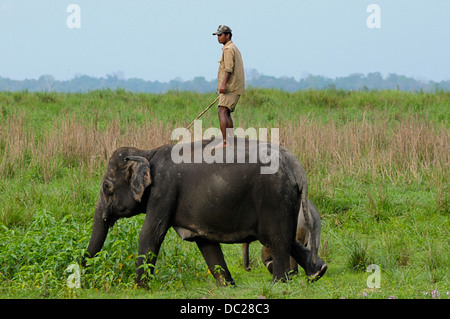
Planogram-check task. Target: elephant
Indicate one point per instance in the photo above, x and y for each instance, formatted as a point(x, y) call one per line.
point(207, 202)
point(303, 236)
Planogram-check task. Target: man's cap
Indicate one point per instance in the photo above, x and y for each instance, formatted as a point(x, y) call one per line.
point(222, 29)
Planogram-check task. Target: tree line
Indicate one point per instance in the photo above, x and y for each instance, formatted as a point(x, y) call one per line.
point(356, 81)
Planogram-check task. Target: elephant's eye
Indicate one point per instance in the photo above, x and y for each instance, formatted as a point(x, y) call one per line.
point(108, 188)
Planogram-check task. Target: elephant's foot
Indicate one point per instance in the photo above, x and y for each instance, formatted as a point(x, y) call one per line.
point(231, 283)
point(317, 275)
point(225, 282)
point(283, 279)
point(142, 284)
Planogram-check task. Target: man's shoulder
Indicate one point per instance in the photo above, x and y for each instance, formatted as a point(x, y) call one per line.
point(230, 46)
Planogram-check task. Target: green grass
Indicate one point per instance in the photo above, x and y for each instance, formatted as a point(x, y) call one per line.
point(34, 262)
point(382, 194)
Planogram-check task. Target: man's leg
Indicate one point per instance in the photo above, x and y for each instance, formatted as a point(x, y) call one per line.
point(225, 122)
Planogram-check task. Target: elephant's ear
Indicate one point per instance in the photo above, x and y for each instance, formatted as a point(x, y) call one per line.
point(139, 176)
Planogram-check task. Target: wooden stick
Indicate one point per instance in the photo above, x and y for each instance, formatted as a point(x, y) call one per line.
point(200, 115)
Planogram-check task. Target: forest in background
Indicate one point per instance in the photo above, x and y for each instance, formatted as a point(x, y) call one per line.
point(255, 79)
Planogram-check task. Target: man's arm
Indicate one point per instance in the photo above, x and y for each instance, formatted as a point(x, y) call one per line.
point(228, 60)
point(223, 86)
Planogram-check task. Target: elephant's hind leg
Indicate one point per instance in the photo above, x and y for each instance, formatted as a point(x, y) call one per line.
point(212, 252)
point(280, 265)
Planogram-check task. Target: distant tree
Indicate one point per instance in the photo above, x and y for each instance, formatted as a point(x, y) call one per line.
point(374, 81)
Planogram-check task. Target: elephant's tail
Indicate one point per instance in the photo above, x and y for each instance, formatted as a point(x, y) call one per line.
point(306, 214)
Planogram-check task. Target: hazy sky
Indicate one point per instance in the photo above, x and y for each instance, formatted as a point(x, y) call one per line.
point(165, 39)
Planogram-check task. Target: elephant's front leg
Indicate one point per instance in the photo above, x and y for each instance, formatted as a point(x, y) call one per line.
point(212, 252)
point(150, 240)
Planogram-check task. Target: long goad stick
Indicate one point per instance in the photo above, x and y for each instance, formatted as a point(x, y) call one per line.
point(200, 115)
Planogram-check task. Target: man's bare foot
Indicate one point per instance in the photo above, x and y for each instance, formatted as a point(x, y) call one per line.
point(221, 145)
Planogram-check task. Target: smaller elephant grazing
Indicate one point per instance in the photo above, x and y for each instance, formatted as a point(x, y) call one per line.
point(303, 236)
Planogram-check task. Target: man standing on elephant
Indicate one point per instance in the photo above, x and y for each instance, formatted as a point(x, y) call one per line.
point(230, 80)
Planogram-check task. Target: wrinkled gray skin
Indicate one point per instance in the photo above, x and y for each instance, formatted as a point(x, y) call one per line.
point(303, 237)
point(205, 203)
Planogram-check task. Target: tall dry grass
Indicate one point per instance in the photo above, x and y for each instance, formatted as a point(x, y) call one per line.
point(395, 150)
point(71, 142)
point(371, 148)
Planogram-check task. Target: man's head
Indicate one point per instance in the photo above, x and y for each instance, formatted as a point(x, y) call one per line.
point(223, 34)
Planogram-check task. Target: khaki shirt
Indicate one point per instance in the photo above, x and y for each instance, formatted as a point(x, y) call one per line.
point(231, 61)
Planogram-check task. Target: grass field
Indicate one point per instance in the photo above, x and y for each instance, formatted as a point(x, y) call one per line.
point(378, 166)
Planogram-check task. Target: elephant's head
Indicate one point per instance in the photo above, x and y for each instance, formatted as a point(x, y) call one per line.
point(122, 193)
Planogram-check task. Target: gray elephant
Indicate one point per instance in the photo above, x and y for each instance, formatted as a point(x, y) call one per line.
point(303, 236)
point(208, 203)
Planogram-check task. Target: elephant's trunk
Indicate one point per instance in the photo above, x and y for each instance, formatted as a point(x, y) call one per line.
point(98, 236)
